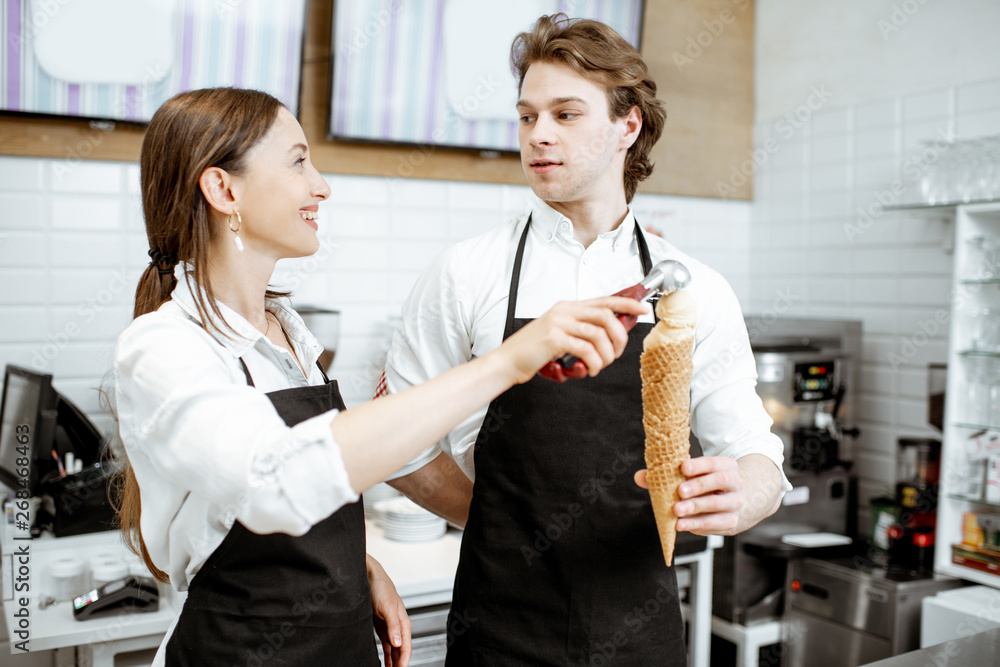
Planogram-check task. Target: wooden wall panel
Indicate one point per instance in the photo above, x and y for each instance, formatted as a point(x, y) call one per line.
point(709, 106)
point(700, 53)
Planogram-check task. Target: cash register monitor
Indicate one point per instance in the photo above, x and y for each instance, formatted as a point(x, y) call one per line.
point(31, 406)
point(26, 395)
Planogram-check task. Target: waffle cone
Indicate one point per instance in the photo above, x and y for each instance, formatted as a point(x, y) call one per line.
point(666, 402)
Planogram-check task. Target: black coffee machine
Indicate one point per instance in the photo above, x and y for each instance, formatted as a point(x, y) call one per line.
point(817, 446)
point(806, 381)
point(804, 384)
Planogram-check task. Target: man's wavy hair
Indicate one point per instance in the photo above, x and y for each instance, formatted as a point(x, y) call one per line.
point(601, 54)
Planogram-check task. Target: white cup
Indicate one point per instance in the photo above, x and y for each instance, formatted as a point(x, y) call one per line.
point(105, 570)
point(68, 578)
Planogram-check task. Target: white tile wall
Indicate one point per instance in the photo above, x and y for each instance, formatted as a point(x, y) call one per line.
point(893, 275)
point(72, 245)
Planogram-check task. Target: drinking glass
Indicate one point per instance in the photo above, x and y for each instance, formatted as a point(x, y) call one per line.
point(943, 176)
point(964, 170)
point(966, 166)
point(984, 329)
point(993, 419)
point(981, 374)
point(972, 267)
point(934, 181)
point(991, 257)
point(991, 172)
point(929, 180)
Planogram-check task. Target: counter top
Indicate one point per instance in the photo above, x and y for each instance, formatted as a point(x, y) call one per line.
point(54, 626)
point(973, 651)
point(423, 573)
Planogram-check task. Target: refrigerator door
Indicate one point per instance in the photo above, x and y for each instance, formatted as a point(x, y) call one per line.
point(971, 414)
point(957, 614)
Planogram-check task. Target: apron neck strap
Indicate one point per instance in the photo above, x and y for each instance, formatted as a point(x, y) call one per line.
point(243, 364)
point(640, 239)
point(326, 380)
point(246, 371)
point(515, 278)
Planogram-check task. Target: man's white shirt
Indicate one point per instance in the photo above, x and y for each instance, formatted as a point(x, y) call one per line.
point(458, 309)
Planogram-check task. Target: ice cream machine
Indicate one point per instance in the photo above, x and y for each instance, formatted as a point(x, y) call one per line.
point(807, 380)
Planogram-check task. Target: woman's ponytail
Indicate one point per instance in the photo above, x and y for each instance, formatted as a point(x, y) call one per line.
point(156, 284)
point(191, 132)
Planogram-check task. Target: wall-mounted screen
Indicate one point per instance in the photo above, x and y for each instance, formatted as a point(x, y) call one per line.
point(437, 72)
point(121, 59)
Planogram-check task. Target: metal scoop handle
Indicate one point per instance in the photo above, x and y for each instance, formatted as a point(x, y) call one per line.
point(665, 277)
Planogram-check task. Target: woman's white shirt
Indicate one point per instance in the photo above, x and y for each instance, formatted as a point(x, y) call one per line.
point(206, 448)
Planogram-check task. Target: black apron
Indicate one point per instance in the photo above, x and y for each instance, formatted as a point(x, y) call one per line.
point(282, 600)
point(561, 562)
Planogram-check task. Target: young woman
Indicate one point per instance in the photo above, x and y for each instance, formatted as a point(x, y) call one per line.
point(245, 465)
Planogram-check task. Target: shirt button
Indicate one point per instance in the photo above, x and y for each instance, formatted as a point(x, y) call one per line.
point(564, 226)
point(550, 236)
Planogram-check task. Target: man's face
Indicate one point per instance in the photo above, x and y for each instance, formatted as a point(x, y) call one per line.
point(571, 150)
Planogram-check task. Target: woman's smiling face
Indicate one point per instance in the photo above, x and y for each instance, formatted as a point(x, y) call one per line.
point(278, 193)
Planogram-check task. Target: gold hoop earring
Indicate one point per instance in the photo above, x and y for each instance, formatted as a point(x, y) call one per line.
point(236, 232)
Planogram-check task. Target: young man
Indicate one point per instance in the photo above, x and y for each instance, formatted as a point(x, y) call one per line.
point(560, 556)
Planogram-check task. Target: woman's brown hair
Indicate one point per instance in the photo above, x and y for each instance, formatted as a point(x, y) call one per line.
point(599, 53)
point(191, 132)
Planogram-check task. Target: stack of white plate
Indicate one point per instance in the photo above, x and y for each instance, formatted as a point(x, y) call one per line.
point(405, 521)
point(374, 495)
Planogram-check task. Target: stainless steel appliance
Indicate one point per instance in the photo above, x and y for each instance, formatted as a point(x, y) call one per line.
point(806, 380)
point(325, 325)
point(749, 569)
point(846, 612)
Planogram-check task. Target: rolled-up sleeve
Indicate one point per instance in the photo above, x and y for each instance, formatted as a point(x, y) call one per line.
point(727, 415)
point(190, 423)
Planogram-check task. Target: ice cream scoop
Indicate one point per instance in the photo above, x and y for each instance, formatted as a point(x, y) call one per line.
point(664, 278)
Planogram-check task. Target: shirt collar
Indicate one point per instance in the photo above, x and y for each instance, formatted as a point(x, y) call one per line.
point(550, 223)
point(242, 336)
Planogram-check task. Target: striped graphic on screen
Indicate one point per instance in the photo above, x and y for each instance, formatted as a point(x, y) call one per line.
point(387, 71)
point(244, 43)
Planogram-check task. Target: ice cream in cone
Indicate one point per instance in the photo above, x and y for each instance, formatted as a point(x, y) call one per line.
point(666, 403)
